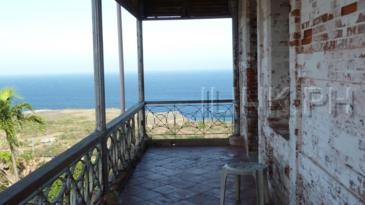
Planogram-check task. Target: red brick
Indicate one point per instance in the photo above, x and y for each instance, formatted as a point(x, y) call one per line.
point(296, 103)
point(295, 12)
point(348, 9)
point(308, 33)
point(296, 35)
point(307, 37)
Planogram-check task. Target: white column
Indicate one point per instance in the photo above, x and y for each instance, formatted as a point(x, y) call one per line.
point(140, 61)
point(141, 96)
point(98, 64)
point(100, 88)
point(121, 58)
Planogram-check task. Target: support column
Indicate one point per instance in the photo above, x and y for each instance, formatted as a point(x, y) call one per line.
point(98, 65)
point(248, 63)
point(235, 139)
point(121, 57)
point(141, 96)
point(100, 87)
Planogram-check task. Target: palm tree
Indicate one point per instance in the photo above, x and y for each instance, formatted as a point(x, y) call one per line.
point(12, 117)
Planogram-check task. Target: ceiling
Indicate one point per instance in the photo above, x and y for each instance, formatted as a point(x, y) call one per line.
point(177, 9)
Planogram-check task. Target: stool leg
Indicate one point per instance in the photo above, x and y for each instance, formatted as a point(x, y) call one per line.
point(238, 187)
point(223, 186)
point(260, 187)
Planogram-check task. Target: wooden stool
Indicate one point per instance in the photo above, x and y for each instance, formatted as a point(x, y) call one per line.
point(243, 168)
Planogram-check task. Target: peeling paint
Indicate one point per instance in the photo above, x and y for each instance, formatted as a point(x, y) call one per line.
point(323, 160)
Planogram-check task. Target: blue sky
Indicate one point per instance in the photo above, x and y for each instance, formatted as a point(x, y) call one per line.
point(53, 36)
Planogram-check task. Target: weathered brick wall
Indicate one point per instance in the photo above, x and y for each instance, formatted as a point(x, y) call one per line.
point(248, 72)
point(323, 161)
point(279, 115)
point(274, 150)
point(330, 53)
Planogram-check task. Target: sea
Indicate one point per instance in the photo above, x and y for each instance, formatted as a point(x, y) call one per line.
point(76, 91)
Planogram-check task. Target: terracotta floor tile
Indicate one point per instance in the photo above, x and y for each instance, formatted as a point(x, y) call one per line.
point(185, 176)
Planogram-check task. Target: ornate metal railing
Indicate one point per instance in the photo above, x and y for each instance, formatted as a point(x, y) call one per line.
point(82, 174)
point(189, 119)
point(92, 167)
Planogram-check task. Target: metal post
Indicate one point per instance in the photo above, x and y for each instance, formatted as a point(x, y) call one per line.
point(99, 84)
point(121, 57)
point(141, 96)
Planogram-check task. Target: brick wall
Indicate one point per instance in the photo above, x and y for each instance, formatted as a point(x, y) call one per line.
point(274, 150)
point(331, 161)
point(248, 72)
point(323, 160)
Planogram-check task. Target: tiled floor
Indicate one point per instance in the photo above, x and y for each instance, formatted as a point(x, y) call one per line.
point(185, 176)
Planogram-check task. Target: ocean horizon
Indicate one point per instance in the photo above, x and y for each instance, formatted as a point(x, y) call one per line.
point(66, 91)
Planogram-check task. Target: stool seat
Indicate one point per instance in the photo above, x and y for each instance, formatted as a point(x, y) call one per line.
point(243, 168)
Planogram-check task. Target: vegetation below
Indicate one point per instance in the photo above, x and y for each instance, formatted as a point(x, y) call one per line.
point(62, 129)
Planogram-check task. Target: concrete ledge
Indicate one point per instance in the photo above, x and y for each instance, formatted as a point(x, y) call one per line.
point(188, 142)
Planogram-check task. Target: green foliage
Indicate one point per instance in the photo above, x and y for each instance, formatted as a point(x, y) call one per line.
point(55, 189)
point(5, 157)
point(12, 118)
point(27, 156)
point(57, 184)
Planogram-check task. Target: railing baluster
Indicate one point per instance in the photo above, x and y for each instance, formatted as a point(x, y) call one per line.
point(174, 116)
point(104, 164)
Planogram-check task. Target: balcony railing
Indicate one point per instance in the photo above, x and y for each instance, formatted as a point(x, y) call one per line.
point(87, 170)
point(189, 119)
point(92, 167)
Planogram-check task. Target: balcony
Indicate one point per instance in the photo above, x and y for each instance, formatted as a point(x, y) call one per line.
point(166, 152)
point(173, 154)
point(185, 175)
point(312, 142)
